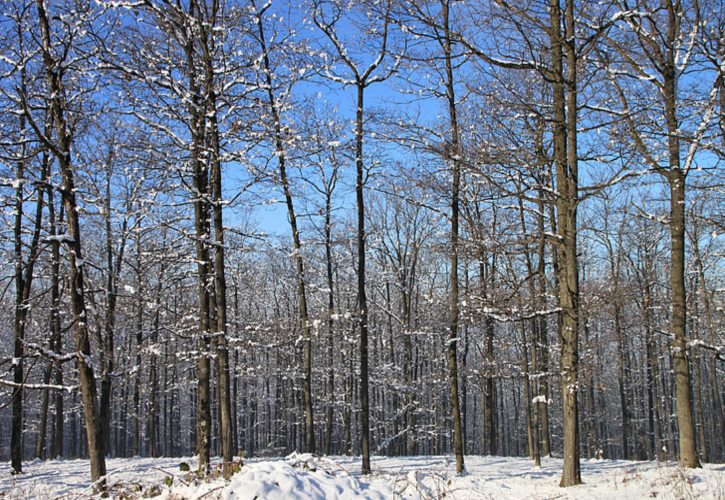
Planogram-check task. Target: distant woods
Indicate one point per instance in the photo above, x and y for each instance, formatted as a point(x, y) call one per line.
point(377, 227)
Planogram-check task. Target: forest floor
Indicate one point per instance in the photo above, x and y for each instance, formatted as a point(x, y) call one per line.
point(305, 477)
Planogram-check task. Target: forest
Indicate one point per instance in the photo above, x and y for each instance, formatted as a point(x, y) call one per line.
point(371, 228)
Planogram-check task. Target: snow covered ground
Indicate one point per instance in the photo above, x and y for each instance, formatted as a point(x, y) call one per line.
point(305, 477)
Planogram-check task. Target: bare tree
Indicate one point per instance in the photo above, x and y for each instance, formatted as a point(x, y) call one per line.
point(60, 145)
point(280, 151)
point(23, 267)
point(326, 16)
point(657, 49)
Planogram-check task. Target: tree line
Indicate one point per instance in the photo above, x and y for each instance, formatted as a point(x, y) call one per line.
point(493, 227)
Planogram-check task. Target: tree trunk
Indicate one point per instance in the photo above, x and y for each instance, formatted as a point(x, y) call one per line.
point(23, 285)
point(203, 406)
point(62, 151)
point(55, 324)
point(200, 192)
point(362, 302)
point(304, 322)
point(676, 180)
point(222, 325)
point(220, 283)
point(454, 159)
point(565, 157)
point(16, 431)
point(330, 324)
point(681, 363)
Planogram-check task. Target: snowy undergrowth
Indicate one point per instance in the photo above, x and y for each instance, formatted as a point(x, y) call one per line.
point(301, 476)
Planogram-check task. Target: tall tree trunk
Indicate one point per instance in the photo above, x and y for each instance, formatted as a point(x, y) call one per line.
point(454, 158)
point(361, 80)
point(16, 433)
point(304, 322)
point(225, 408)
point(564, 94)
point(203, 403)
point(23, 285)
point(55, 324)
point(362, 301)
point(676, 180)
point(200, 192)
point(681, 363)
point(94, 438)
point(62, 151)
point(330, 323)
point(220, 283)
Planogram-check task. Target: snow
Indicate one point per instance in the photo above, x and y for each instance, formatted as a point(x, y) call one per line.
point(281, 480)
point(541, 399)
point(302, 476)
point(61, 238)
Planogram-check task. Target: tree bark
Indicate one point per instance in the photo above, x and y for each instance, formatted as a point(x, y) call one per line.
point(676, 180)
point(220, 283)
point(564, 94)
point(200, 192)
point(680, 360)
